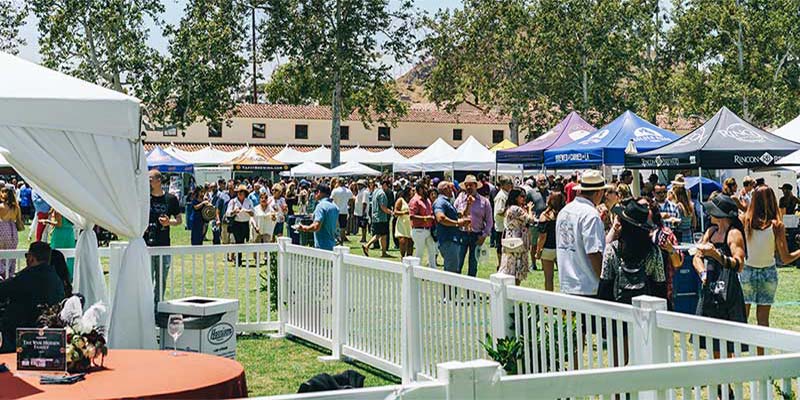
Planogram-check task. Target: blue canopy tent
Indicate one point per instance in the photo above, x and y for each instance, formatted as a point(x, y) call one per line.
point(164, 162)
point(606, 146)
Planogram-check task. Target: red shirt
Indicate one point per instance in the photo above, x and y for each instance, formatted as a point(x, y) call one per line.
point(569, 189)
point(420, 207)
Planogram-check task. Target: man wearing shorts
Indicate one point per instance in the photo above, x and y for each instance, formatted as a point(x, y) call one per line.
point(380, 220)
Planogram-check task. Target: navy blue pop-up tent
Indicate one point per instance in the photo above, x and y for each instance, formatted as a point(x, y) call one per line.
point(164, 162)
point(606, 146)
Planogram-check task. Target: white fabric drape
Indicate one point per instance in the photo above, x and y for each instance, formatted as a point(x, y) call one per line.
point(104, 179)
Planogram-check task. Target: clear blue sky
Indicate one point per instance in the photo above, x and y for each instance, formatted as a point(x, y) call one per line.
point(174, 10)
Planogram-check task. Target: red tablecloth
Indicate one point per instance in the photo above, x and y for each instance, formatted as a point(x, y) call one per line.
point(137, 374)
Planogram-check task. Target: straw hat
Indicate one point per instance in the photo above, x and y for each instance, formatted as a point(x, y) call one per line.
point(592, 181)
point(470, 179)
point(242, 188)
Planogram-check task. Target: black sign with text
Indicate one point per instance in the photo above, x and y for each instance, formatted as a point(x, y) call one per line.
point(41, 349)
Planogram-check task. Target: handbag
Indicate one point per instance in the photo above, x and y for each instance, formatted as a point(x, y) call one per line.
point(209, 213)
point(513, 245)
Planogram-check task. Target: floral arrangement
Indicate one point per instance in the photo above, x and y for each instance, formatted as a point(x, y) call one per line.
point(86, 340)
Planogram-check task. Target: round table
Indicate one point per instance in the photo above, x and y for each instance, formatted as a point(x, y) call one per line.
point(146, 374)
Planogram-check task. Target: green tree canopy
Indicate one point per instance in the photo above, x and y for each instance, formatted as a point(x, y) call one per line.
point(344, 50)
point(12, 17)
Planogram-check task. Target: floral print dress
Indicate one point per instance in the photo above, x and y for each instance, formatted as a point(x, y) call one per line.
point(517, 264)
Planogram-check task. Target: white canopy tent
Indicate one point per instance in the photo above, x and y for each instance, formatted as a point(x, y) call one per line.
point(207, 156)
point(388, 157)
point(79, 144)
point(358, 154)
point(320, 155)
point(308, 168)
point(3, 162)
point(288, 155)
point(790, 131)
point(473, 156)
point(434, 158)
point(352, 168)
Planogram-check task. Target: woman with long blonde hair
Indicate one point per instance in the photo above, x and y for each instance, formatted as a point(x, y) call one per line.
point(687, 216)
point(765, 235)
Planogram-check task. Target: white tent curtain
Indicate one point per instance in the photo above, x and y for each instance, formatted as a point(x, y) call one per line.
point(79, 143)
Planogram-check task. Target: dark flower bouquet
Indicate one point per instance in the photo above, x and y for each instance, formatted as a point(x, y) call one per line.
point(86, 341)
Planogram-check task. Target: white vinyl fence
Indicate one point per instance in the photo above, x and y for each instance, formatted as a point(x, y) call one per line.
point(416, 322)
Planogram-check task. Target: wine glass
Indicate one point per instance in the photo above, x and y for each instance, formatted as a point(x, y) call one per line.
point(697, 236)
point(175, 329)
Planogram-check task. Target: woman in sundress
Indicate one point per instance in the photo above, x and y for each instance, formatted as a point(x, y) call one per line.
point(10, 213)
point(518, 216)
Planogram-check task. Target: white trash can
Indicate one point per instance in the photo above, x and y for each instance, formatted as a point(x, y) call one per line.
point(209, 325)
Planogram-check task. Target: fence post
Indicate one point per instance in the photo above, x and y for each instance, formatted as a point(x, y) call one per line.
point(282, 288)
point(649, 343)
point(500, 306)
point(469, 380)
point(410, 345)
point(339, 298)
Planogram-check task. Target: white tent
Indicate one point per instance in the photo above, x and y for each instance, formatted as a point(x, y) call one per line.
point(359, 155)
point(3, 162)
point(437, 155)
point(79, 145)
point(308, 168)
point(790, 131)
point(353, 168)
point(289, 155)
point(206, 156)
point(473, 156)
point(388, 157)
point(320, 155)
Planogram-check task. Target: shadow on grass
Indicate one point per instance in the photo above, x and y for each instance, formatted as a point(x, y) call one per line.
point(366, 368)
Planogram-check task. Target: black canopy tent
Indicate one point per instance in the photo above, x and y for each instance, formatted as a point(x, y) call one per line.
point(725, 141)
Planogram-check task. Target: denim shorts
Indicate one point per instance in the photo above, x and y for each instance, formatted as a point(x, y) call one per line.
point(759, 285)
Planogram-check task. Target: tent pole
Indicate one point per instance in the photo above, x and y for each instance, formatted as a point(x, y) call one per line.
point(700, 197)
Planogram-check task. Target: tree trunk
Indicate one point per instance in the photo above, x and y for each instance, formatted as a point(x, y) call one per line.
point(513, 127)
point(584, 83)
point(336, 121)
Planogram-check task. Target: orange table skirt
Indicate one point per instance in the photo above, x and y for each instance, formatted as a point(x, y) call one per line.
point(141, 374)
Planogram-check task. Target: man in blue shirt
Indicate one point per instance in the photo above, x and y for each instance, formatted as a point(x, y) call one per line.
point(326, 216)
point(448, 236)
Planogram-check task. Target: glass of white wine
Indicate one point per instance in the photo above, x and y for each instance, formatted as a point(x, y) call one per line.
point(175, 330)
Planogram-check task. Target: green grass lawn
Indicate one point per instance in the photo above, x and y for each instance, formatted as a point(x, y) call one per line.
point(280, 366)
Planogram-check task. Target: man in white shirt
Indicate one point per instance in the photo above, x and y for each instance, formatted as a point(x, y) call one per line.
point(341, 196)
point(360, 211)
point(505, 184)
point(580, 238)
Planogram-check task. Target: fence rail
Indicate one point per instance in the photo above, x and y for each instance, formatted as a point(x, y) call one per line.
point(410, 320)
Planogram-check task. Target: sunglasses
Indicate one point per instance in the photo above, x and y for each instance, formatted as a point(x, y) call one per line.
point(661, 192)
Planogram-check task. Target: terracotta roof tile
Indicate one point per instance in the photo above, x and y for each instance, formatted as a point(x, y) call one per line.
point(272, 149)
point(415, 114)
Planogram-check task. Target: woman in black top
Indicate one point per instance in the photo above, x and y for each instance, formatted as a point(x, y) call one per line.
point(546, 245)
point(719, 258)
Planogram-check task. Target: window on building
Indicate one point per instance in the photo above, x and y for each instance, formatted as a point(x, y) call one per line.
point(259, 131)
point(344, 132)
point(215, 129)
point(301, 131)
point(458, 134)
point(497, 136)
point(170, 131)
point(384, 133)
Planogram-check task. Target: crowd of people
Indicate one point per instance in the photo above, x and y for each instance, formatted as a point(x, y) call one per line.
point(604, 242)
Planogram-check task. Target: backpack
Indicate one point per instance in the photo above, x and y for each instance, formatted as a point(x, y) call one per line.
point(631, 281)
